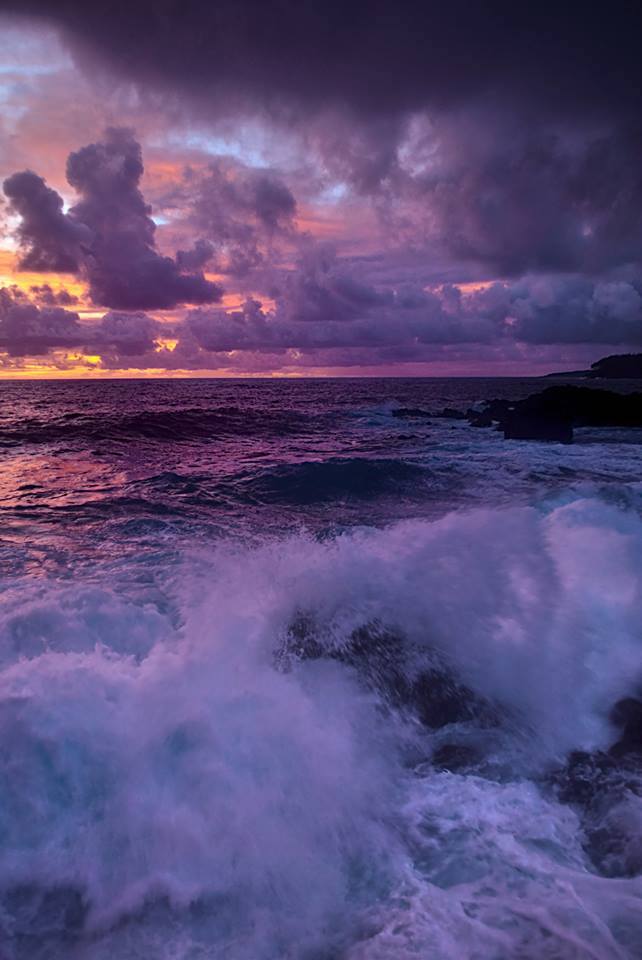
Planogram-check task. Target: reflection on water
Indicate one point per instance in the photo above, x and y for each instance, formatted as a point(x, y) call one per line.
point(144, 466)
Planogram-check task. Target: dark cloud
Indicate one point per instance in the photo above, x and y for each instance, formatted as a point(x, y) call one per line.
point(328, 309)
point(374, 55)
point(323, 288)
point(563, 309)
point(123, 267)
point(49, 239)
point(196, 257)
point(46, 296)
point(494, 140)
point(127, 334)
point(108, 236)
point(518, 200)
point(532, 162)
point(324, 304)
point(240, 213)
point(27, 329)
point(345, 323)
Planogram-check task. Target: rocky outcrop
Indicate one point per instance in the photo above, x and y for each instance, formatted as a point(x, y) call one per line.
point(416, 413)
point(584, 406)
point(523, 426)
point(553, 413)
point(411, 413)
point(626, 366)
point(627, 716)
point(433, 695)
point(605, 788)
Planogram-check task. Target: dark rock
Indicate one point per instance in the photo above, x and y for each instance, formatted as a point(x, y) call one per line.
point(627, 714)
point(481, 420)
point(627, 366)
point(454, 756)
point(449, 413)
point(601, 786)
point(44, 912)
point(439, 700)
point(553, 413)
point(379, 658)
point(411, 413)
point(623, 365)
point(584, 406)
point(569, 375)
point(493, 411)
point(614, 850)
point(525, 426)
point(584, 777)
point(499, 409)
point(301, 642)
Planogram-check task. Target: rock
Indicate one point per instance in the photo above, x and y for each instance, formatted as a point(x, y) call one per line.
point(520, 426)
point(568, 375)
point(584, 406)
point(43, 912)
point(454, 756)
point(439, 699)
point(552, 414)
point(617, 366)
point(481, 420)
point(449, 413)
point(411, 413)
point(627, 714)
point(584, 777)
point(378, 656)
point(605, 792)
point(487, 413)
point(605, 788)
point(627, 365)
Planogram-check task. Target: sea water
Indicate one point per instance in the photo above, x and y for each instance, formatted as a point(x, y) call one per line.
point(284, 674)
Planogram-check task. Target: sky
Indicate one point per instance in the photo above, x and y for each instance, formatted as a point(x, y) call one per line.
point(278, 188)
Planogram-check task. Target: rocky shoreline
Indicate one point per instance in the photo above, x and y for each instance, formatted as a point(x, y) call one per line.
point(550, 415)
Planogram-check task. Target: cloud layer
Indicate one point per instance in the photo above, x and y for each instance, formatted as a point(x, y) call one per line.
point(336, 185)
point(375, 56)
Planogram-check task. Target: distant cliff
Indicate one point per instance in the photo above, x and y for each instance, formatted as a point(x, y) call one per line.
point(617, 366)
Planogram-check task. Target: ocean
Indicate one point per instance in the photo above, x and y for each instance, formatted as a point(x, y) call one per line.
point(286, 675)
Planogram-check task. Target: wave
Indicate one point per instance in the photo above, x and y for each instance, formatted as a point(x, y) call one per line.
point(298, 484)
point(154, 425)
point(362, 747)
point(315, 481)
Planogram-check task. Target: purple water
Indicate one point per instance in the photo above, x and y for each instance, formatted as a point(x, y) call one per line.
point(284, 675)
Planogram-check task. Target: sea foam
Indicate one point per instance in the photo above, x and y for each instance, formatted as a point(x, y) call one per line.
point(202, 778)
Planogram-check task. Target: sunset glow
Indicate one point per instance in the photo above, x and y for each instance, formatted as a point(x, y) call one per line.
point(343, 243)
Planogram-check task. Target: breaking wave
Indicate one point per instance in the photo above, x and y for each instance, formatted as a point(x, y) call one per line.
point(396, 743)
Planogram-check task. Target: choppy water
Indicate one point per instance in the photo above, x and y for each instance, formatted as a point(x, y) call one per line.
point(283, 675)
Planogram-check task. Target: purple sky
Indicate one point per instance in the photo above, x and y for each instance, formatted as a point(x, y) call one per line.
point(310, 188)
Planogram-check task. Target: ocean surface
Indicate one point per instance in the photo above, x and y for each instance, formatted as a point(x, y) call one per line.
point(286, 676)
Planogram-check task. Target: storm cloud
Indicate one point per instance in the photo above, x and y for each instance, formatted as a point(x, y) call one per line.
point(50, 241)
point(476, 168)
point(241, 215)
point(376, 57)
point(108, 236)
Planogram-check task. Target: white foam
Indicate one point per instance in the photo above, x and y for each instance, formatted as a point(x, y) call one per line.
point(270, 809)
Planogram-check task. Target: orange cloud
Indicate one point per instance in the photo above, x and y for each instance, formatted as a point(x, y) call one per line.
point(11, 276)
point(475, 285)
